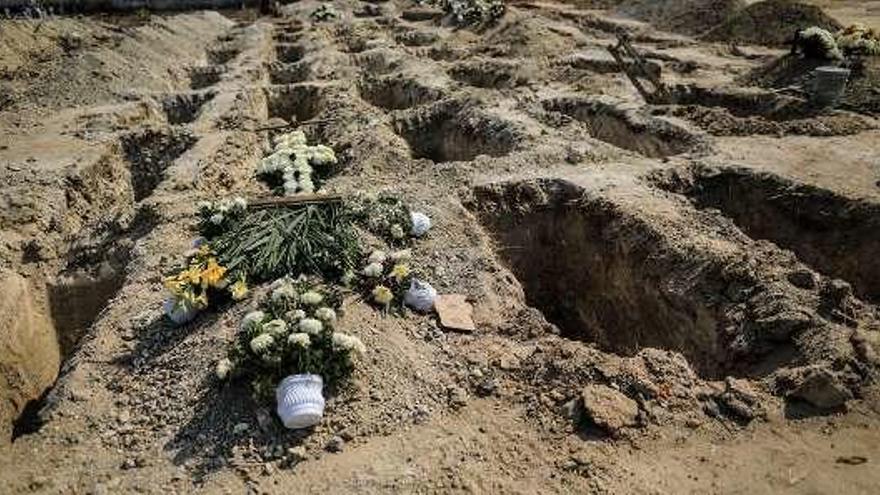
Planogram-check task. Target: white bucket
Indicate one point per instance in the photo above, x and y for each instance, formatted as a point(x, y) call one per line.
point(300, 401)
point(177, 312)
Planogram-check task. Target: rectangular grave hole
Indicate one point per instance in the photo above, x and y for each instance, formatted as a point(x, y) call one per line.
point(838, 236)
point(447, 132)
point(595, 274)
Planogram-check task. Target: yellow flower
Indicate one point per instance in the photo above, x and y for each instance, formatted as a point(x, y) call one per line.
point(192, 276)
point(238, 290)
point(382, 295)
point(174, 285)
point(198, 301)
point(400, 272)
point(213, 274)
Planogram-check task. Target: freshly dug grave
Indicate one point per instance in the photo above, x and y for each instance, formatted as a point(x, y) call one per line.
point(627, 127)
point(454, 130)
point(770, 23)
point(624, 282)
point(749, 111)
point(837, 236)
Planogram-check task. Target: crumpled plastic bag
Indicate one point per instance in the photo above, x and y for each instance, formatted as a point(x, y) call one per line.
point(421, 223)
point(420, 296)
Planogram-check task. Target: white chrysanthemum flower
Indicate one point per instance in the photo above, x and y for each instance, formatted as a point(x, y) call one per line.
point(295, 315)
point(252, 318)
point(345, 342)
point(376, 257)
point(284, 292)
point(312, 298)
point(224, 366)
point(275, 327)
point(373, 270)
point(301, 339)
point(216, 219)
point(261, 343)
point(307, 186)
point(347, 278)
point(401, 256)
point(397, 231)
point(311, 326)
point(327, 315)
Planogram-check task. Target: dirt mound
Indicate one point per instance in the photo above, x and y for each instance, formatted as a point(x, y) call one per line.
point(772, 23)
point(684, 16)
point(29, 352)
point(861, 93)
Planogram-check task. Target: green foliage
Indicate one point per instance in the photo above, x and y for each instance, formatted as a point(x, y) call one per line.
point(314, 239)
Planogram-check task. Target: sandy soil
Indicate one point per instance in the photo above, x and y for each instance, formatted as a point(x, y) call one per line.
point(710, 263)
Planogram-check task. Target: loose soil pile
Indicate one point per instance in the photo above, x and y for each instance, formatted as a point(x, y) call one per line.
point(770, 22)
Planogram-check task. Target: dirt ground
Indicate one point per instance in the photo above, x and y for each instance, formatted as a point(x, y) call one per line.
point(708, 266)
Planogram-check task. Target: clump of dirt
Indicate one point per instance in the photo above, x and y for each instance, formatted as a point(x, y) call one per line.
point(771, 23)
point(684, 16)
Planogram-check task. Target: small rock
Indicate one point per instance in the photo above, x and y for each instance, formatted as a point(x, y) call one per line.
point(804, 279)
point(609, 409)
point(297, 454)
point(347, 434)
point(821, 388)
point(487, 387)
point(457, 396)
point(455, 312)
point(335, 444)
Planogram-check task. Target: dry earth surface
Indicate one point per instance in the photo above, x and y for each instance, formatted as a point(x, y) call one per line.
point(668, 298)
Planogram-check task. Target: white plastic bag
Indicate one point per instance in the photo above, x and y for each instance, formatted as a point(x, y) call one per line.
point(420, 296)
point(420, 223)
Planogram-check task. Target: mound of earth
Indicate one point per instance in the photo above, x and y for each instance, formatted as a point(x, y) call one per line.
point(772, 23)
point(683, 16)
point(861, 93)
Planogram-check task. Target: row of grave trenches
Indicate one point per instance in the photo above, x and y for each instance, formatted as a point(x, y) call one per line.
point(107, 208)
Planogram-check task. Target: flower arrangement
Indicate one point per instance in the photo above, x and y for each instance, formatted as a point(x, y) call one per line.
point(858, 39)
point(385, 279)
point(202, 282)
point(294, 166)
point(818, 43)
point(216, 217)
point(325, 12)
point(476, 13)
point(293, 333)
point(385, 216)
